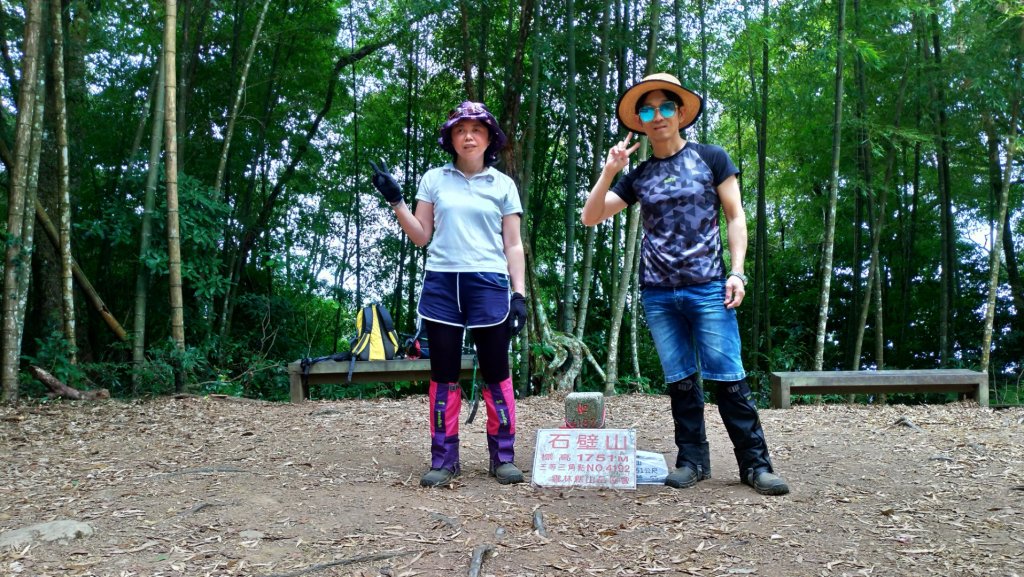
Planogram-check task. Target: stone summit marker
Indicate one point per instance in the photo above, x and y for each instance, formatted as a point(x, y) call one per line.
point(584, 411)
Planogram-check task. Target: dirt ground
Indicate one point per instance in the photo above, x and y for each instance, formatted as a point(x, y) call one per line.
point(222, 486)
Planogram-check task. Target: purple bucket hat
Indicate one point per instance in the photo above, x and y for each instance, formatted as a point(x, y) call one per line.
point(469, 110)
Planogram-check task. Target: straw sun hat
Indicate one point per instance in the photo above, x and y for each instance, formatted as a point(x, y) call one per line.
point(692, 106)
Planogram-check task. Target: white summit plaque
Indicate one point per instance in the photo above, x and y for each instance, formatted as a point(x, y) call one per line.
point(585, 458)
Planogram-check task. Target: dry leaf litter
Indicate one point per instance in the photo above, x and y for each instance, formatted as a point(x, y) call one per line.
point(206, 486)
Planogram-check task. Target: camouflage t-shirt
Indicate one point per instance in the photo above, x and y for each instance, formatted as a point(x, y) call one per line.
point(682, 242)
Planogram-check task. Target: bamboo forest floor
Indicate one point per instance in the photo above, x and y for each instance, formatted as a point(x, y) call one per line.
point(208, 486)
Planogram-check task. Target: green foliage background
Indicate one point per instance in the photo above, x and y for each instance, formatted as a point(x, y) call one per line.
point(328, 244)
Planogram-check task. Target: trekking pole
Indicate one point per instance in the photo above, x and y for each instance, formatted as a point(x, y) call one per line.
point(473, 397)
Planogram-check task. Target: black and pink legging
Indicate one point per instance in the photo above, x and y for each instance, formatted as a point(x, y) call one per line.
point(446, 351)
point(446, 395)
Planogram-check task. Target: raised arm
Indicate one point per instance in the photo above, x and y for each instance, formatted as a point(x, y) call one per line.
point(419, 226)
point(603, 204)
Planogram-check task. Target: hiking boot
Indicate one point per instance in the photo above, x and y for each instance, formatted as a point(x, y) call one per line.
point(684, 477)
point(766, 483)
point(507, 473)
point(437, 477)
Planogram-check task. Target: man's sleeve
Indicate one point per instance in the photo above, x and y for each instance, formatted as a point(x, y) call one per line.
point(624, 187)
point(721, 165)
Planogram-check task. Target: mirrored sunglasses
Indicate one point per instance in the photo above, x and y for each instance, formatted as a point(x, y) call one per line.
point(667, 109)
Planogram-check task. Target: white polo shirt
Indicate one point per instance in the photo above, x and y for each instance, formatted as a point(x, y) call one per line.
point(467, 218)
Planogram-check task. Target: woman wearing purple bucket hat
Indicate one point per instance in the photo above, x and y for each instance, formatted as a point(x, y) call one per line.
point(475, 277)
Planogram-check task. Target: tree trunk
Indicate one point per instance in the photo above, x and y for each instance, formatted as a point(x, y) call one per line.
point(526, 187)
point(1009, 252)
point(595, 170)
point(237, 105)
point(242, 212)
point(653, 39)
point(568, 352)
point(142, 270)
point(761, 301)
point(677, 18)
point(529, 13)
point(60, 390)
point(887, 184)
point(1012, 268)
point(948, 238)
point(864, 157)
point(634, 314)
point(830, 216)
point(31, 195)
point(83, 281)
point(1004, 195)
point(856, 253)
point(702, 11)
point(621, 291)
point(339, 279)
point(907, 244)
point(407, 250)
point(621, 28)
point(568, 310)
point(753, 348)
point(611, 371)
point(63, 192)
point(467, 59)
point(15, 257)
point(191, 45)
point(874, 280)
point(860, 323)
point(483, 12)
point(356, 166)
point(140, 132)
point(79, 24)
point(171, 176)
point(512, 97)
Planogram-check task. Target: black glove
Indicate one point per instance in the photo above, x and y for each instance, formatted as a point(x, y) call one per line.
point(516, 314)
point(385, 183)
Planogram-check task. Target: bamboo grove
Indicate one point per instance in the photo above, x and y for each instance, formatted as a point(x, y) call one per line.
point(189, 205)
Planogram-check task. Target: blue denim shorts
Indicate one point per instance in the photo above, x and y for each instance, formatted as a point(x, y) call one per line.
point(691, 325)
point(465, 299)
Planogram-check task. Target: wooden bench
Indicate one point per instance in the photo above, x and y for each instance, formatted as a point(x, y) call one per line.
point(911, 381)
point(336, 372)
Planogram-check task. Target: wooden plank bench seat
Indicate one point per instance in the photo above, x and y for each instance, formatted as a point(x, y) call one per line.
point(336, 372)
point(785, 384)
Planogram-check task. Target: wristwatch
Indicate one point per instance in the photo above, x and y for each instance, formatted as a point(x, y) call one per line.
point(743, 278)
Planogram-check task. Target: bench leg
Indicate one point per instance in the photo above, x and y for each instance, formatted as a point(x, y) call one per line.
point(296, 391)
point(982, 395)
point(780, 395)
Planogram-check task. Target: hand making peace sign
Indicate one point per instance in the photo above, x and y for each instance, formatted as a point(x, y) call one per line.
point(619, 154)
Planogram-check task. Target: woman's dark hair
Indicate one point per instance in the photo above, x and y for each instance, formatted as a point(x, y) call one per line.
point(669, 95)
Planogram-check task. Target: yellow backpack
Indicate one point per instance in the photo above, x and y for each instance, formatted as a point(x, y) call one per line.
point(376, 339)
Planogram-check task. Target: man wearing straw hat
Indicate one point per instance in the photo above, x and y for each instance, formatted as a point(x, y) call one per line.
point(689, 296)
